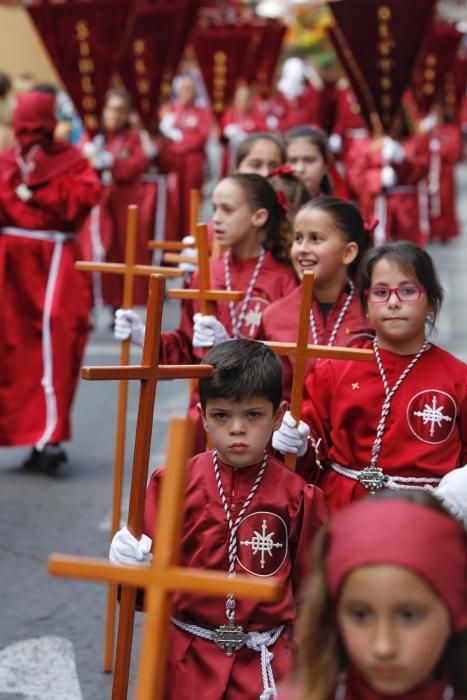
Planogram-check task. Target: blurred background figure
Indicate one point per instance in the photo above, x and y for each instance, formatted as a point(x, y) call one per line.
point(7, 137)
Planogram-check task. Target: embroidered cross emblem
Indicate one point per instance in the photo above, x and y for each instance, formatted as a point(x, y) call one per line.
point(253, 319)
point(262, 542)
point(433, 415)
point(355, 385)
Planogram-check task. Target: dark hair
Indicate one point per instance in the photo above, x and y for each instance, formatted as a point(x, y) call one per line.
point(276, 233)
point(322, 656)
point(48, 88)
point(5, 84)
point(294, 190)
point(413, 260)
point(242, 369)
point(246, 145)
point(319, 139)
point(348, 219)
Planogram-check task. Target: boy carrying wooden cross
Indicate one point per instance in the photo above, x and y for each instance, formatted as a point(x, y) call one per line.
point(245, 512)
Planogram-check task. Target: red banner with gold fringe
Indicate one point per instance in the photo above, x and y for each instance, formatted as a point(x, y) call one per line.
point(378, 42)
point(83, 40)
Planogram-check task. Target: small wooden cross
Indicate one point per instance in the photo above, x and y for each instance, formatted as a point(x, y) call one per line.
point(149, 372)
point(205, 294)
point(164, 576)
point(177, 246)
point(302, 351)
point(129, 270)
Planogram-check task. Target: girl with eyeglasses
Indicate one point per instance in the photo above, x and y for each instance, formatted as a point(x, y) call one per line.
point(400, 421)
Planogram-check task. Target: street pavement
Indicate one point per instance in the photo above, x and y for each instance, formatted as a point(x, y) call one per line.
point(52, 630)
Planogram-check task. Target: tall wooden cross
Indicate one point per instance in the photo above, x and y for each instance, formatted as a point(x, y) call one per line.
point(129, 270)
point(149, 372)
point(301, 351)
point(164, 575)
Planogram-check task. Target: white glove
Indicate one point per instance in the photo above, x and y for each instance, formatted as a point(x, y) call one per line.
point(207, 331)
point(291, 437)
point(168, 128)
point(335, 143)
point(428, 123)
point(388, 176)
point(452, 492)
point(129, 325)
point(103, 160)
point(392, 151)
point(191, 252)
point(126, 549)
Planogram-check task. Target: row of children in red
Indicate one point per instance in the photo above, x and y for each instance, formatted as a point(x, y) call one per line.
point(245, 511)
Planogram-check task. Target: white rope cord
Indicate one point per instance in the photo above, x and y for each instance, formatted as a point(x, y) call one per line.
point(340, 318)
point(376, 449)
point(233, 526)
point(256, 641)
point(391, 482)
point(237, 322)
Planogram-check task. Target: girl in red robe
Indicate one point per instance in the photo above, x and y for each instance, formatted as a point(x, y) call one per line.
point(400, 420)
point(385, 612)
point(329, 239)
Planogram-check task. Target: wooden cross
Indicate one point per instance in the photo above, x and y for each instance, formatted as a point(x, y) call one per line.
point(302, 351)
point(129, 270)
point(164, 576)
point(177, 246)
point(205, 295)
point(149, 372)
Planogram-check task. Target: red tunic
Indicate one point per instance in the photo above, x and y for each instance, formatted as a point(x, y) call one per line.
point(274, 281)
point(105, 230)
point(396, 208)
point(445, 152)
point(280, 321)
point(187, 157)
point(290, 512)
point(304, 109)
point(426, 431)
point(43, 337)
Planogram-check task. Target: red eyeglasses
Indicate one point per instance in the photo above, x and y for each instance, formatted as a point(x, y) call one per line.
point(406, 292)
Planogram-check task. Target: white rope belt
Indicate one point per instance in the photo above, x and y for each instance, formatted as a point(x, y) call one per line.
point(257, 641)
point(356, 133)
point(53, 236)
point(390, 482)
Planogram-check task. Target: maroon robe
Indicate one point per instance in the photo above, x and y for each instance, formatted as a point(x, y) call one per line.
point(290, 512)
point(187, 157)
point(45, 301)
point(445, 152)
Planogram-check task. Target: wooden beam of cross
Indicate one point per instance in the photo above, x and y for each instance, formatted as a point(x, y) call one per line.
point(164, 576)
point(301, 351)
point(129, 270)
point(177, 246)
point(205, 295)
point(148, 373)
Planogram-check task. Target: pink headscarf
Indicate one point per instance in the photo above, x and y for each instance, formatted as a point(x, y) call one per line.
point(402, 533)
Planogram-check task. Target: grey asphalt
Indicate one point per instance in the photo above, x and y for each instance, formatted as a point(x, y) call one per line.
point(71, 513)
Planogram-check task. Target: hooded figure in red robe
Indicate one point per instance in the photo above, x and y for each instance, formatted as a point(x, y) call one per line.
point(46, 191)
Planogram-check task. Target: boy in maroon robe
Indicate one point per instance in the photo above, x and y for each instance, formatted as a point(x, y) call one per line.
point(46, 190)
point(243, 501)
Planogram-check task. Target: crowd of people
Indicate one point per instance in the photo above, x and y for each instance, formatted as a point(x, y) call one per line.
point(383, 603)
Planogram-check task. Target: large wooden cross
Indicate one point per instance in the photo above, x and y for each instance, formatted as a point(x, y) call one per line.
point(129, 270)
point(302, 351)
point(178, 246)
point(148, 373)
point(164, 575)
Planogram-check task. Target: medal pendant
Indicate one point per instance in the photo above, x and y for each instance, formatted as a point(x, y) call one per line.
point(229, 637)
point(372, 478)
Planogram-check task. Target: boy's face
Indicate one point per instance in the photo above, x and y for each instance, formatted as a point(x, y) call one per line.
point(240, 430)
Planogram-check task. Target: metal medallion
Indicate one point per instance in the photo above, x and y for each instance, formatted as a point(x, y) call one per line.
point(372, 478)
point(230, 637)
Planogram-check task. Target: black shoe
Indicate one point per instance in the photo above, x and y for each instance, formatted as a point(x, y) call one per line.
point(47, 460)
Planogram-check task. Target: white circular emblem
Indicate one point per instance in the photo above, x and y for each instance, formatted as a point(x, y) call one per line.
point(252, 317)
point(431, 415)
point(191, 121)
point(262, 543)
